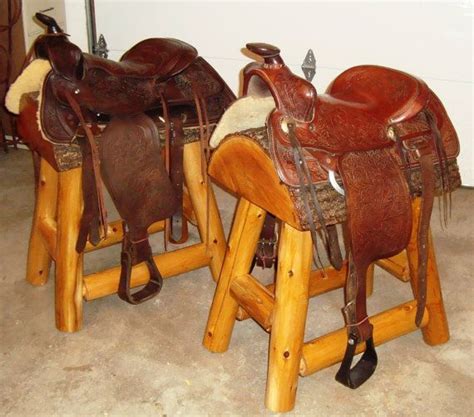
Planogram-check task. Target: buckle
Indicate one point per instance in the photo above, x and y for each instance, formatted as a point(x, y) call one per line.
point(418, 146)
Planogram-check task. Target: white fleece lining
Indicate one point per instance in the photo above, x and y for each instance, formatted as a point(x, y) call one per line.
point(29, 81)
point(245, 113)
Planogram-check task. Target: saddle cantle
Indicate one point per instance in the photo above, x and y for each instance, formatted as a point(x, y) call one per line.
point(367, 135)
point(108, 108)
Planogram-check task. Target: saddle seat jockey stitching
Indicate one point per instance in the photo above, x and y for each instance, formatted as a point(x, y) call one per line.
point(351, 131)
point(163, 76)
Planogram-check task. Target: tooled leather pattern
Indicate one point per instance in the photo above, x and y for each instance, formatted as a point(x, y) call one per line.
point(58, 122)
point(296, 96)
point(448, 133)
point(337, 128)
point(109, 94)
point(198, 75)
point(153, 197)
point(378, 204)
point(101, 92)
point(379, 222)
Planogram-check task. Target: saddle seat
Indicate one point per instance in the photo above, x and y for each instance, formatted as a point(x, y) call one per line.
point(358, 109)
point(389, 95)
point(157, 58)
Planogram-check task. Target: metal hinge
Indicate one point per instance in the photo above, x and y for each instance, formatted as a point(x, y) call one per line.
point(309, 65)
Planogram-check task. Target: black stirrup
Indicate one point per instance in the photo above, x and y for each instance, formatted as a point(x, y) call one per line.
point(362, 370)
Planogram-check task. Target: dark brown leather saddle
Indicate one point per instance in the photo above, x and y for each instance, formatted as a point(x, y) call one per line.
point(371, 128)
point(162, 78)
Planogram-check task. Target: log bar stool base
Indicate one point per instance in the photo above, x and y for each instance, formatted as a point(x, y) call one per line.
point(281, 309)
point(56, 227)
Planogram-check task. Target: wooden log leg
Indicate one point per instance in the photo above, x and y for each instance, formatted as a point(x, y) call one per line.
point(289, 318)
point(240, 251)
point(39, 259)
point(203, 199)
point(437, 330)
point(68, 261)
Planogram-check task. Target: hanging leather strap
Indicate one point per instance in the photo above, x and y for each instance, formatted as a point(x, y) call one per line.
point(266, 253)
point(178, 229)
point(89, 227)
point(94, 220)
point(420, 146)
point(308, 192)
point(203, 119)
point(428, 181)
point(424, 153)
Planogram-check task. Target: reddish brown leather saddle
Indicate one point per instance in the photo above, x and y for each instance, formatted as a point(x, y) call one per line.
point(82, 93)
point(372, 127)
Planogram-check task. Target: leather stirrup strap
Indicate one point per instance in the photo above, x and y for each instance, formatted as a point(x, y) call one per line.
point(359, 329)
point(132, 254)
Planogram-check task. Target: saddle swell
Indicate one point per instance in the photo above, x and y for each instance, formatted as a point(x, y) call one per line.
point(372, 126)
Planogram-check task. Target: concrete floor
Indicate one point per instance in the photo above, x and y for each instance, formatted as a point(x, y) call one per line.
point(148, 360)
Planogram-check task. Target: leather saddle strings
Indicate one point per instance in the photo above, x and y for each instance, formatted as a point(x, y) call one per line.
point(307, 187)
point(95, 163)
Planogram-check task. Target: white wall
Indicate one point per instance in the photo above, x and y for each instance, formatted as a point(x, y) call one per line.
point(76, 22)
point(31, 27)
point(432, 40)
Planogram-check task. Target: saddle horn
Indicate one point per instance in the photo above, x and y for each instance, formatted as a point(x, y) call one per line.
point(49, 22)
point(269, 53)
